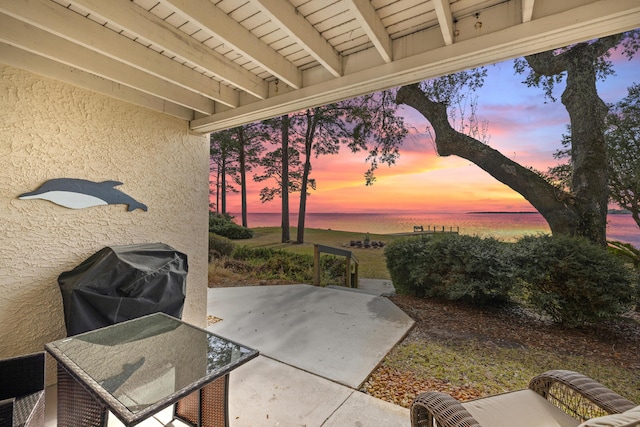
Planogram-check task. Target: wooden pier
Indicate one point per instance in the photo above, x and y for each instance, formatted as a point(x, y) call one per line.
point(419, 230)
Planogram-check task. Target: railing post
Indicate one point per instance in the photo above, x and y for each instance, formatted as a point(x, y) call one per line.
point(348, 275)
point(316, 265)
point(351, 282)
point(355, 276)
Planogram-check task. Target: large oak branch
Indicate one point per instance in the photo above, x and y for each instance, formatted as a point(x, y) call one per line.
point(551, 64)
point(555, 205)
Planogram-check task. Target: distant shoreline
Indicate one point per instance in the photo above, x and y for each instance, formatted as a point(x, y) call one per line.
point(502, 213)
point(610, 212)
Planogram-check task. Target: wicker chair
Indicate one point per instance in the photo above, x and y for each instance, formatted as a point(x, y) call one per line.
point(554, 398)
point(22, 391)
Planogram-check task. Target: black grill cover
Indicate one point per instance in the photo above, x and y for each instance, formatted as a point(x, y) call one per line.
point(120, 283)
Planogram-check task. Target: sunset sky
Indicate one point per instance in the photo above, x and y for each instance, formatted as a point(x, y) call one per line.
point(521, 125)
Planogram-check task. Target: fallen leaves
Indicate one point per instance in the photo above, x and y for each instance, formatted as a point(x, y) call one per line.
point(212, 319)
point(401, 387)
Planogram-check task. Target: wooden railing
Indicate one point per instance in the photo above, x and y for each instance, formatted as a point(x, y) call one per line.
point(420, 228)
point(351, 279)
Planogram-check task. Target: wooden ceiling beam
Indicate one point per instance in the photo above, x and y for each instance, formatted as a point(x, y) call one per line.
point(64, 23)
point(283, 14)
point(218, 23)
point(527, 10)
point(35, 40)
point(445, 19)
point(367, 17)
point(138, 21)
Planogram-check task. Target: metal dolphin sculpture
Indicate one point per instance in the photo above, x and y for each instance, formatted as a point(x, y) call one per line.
point(80, 193)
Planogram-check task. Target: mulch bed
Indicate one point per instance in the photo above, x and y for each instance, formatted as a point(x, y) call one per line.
point(614, 343)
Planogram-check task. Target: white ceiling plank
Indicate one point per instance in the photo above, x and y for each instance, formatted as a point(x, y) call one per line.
point(294, 24)
point(73, 27)
point(366, 15)
point(232, 33)
point(527, 10)
point(445, 19)
point(595, 19)
point(147, 25)
point(37, 64)
point(25, 36)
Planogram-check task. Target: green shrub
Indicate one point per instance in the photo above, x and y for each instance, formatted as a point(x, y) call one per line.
point(244, 252)
point(269, 263)
point(455, 267)
point(573, 280)
point(287, 266)
point(219, 246)
point(237, 266)
point(402, 257)
point(223, 225)
point(332, 270)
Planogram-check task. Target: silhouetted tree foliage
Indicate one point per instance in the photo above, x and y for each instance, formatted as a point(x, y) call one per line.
point(221, 163)
point(283, 165)
point(234, 152)
point(623, 146)
point(366, 123)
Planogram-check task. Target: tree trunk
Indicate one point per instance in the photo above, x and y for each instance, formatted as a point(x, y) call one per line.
point(556, 206)
point(588, 151)
point(223, 186)
point(286, 237)
point(218, 190)
point(302, 211)
point(243, 175)
point(308, 145)
point(587, 114)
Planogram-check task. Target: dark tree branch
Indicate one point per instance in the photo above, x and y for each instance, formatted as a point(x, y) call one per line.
point(555, 205)
point(550, 64)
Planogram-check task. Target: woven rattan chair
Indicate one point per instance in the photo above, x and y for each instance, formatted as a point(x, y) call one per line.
point(554, 398)
point(22, 391)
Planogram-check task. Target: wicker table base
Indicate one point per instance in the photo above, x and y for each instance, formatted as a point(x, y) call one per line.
point(207, 407)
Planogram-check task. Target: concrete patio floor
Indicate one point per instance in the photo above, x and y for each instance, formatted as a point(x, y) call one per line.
point(317, 347)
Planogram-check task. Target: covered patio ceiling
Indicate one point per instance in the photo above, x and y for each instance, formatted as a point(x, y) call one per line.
point(223, 63)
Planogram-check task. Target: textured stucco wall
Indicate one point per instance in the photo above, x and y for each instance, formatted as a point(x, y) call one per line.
point(51, 130)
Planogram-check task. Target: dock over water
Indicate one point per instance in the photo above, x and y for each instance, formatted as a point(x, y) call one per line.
point(419, 230)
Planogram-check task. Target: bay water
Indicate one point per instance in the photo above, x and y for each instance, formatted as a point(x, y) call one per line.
point(503, 226)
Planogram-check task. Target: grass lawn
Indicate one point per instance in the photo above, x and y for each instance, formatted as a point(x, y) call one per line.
point(470, 352)
point(371, 262)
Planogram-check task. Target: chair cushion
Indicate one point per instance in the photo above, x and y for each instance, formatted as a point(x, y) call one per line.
point(524, 408)
point(630, 418)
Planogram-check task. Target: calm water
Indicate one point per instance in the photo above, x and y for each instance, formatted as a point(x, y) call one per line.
point(502, 226)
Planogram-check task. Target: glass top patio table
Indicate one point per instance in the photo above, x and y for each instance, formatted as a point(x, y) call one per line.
point(139, 367)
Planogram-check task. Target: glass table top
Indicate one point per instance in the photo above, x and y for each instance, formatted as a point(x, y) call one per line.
point(145, 361)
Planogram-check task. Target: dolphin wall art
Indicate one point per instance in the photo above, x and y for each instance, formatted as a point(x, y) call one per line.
point(80, 193)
